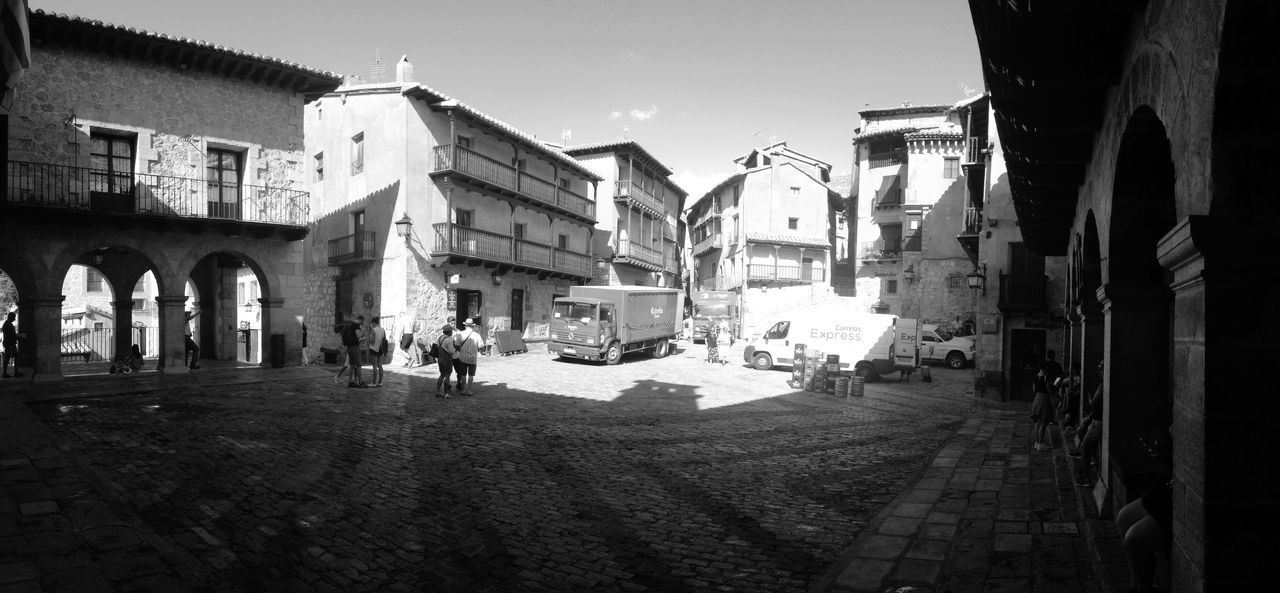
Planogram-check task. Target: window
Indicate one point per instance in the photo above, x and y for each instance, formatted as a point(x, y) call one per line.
point(606, 314)
point(222, 174)
point(141, 286)
point(733, 232)
point(92, 280)
point(319, 159)
point(462, 217)
point(464, 142)
point(563, 242)
point(564, 182)
point(890, 286)
point(950, 167)
point(736, 192)
point(98, 326)
point(956, 281)
point(518, 230)
point(241, 295)
point(778, 331)
point(111, 161)
point(795, 191)
point(357, 154)
point(139, 304)
point(793, 223)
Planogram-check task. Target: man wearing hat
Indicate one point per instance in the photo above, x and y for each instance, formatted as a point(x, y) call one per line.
point(469, 343)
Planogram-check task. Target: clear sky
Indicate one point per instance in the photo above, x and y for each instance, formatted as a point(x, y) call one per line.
point(696, 82)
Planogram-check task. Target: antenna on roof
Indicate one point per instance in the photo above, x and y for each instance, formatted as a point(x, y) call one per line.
point(626, 132)
point(565, 135)
point(377, 70)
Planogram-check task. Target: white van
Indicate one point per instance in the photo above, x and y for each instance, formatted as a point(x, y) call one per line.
point(938, 345)
point(869, 344)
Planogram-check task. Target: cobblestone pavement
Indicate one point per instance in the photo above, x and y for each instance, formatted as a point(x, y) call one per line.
point(654, 475)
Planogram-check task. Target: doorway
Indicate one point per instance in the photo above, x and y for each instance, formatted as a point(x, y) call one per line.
point(468, 306)
point(517, 310)
point(1026, 351)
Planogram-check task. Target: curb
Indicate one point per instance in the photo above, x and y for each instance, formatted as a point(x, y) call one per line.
point(1105, 546)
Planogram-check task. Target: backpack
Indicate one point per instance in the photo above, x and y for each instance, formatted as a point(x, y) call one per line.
point(435, 350)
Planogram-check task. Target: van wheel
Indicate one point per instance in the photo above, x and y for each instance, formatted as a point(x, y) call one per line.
point(865, 370)
point(614, 354)
point(762, 361)
point(662, 349)
point(955, 360)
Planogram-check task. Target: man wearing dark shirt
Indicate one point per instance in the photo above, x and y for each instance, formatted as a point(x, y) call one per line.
point(10, 346)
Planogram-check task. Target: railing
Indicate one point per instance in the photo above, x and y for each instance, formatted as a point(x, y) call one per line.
point(82, 188)
point(1022, 292)
point(630, 249)
point(785, 273)
point(973, 150)
point(449, 157)
point(885, 159)
point(972, 221)
point(911, 243)
point(630, 190)
point(497, 247)
point(891, 198)
point(712, 241)
point(354, 247)
point(882, 249)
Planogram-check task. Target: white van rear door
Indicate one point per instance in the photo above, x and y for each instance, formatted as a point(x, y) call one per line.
point(906, 343)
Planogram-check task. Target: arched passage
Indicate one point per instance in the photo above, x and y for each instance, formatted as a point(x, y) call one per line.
point(1137, 305)
point(233, 296)
point(108, 305)
point(1088, 278)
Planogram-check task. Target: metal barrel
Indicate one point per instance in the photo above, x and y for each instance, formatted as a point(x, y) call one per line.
point(855, 386)
point(842, 385)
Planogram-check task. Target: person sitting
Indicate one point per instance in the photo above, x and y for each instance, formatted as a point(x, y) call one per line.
point(1146, 526)
point(135, 358)
point(1091, 427)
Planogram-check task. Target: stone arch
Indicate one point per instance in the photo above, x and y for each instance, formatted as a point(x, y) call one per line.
point(214, 280)
point(1137, 305)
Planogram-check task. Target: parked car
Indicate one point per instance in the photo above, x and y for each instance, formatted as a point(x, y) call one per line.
point(938, 345)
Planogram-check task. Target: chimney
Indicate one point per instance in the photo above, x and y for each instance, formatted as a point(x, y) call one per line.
point(404, 70)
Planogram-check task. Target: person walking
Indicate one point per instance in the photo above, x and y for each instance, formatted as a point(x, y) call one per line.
point(409, 344)
point(713, 343)
point(377, 348)
point(445, 349)
point(10, 340)
point(350, 333)
point(192, 347)
point(1042, 406)
point(469, 344)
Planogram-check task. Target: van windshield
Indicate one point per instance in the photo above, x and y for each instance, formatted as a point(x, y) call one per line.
point(583, 312)
point(944, 335)
point(716, 310)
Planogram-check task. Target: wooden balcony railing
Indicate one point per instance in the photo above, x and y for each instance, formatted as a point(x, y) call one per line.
point(1023, 292)
point(449, 157)
point(633, 250)
point(452, 239)
point(800, 274)
point(882, 249)
point(81, 188)
point(972, 221)
point(712, 241)
point(352, 248)
point(973, 150)
point(629, 190)
point(886, 159)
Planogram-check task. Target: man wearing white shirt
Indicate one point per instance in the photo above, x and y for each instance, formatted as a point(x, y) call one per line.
point(468, 343)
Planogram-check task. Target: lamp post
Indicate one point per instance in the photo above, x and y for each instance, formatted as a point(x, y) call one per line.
point(977, 279)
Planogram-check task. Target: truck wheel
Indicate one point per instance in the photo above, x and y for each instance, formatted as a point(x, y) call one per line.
point(762, 361)
point(865, 370)
point(955, 360)
point(662, 349)
point(614, 354)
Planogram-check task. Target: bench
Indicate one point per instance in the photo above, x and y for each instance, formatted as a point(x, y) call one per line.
point(72, 350)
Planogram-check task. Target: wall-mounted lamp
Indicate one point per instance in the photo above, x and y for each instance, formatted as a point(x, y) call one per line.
point(403, 227)
point(977, 279)
point(909, 274)
point(602, 264)
point(497, 279)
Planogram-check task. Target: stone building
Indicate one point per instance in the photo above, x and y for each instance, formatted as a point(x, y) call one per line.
point(767, 233)
point(909, 190)
point(132, 152)
point(642, 242)
point(426, 208)
point(1020, 291)
point(1138, 157)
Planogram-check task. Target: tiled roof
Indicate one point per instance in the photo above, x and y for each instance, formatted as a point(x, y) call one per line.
point(443, 101)
point(790, 239)
point(904, 110)
point(934, 134)
point(882, 132)
point(618, 145)
point(174, 39)
point(717, 187)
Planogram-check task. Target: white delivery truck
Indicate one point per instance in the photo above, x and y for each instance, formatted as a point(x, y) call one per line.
point(869, 344)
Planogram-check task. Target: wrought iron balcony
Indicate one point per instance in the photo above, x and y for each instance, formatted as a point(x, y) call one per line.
point(1023, 292)
point(641, 256)
point(510, 181)
point(520, 255)
point(796, 274)
point(882, 249)
point(356, 247)
point(630, 191)
point(711, 241)
point(46, 185)
point(911, 243)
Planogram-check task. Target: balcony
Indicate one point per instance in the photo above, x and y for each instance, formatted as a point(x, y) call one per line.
point(357, 247)
point(641, 256)
point(791, 274)
point(631, 192)
point(139, 197)
point(505, 180)
point(712, 241)
point(968, 236)
point(882, 250)
point(888, 199)
point(1022, 292)
point(476, 247)
point(911, 243)
point(973, 151)
point(887, 159)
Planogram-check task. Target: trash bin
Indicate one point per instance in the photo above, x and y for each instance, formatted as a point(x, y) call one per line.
point(277, 351)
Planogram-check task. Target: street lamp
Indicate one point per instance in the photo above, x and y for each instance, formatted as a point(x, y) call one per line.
point(403, 226)
point(977, 279)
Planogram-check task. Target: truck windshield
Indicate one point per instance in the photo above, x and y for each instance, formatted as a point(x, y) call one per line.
point(944, 335)
point(716, 310)
point(583, 312)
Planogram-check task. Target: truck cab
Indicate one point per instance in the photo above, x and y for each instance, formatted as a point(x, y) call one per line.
point(605, 322)
point(582, 326)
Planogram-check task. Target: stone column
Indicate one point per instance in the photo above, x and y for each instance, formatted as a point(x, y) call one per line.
point(1090, 348)
point(40, 318)
point(172, 315)
point(123, 310)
